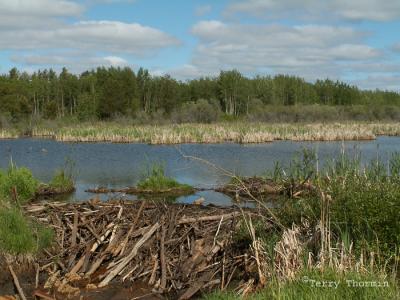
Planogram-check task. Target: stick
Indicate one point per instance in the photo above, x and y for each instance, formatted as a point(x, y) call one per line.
point(162, 259)
point(16, 282)
point(74, 230)
point(216, 234)
point(209, 218)
point(125, 242)
point(37, 276)
point(128, 258)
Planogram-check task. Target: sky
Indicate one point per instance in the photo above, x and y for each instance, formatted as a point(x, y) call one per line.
point(356, 41)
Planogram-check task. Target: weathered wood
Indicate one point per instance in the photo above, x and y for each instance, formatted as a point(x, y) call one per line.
point(209, 218)
point(129, 257)
point(163, 282)
point(196, 286)
point(16, 283)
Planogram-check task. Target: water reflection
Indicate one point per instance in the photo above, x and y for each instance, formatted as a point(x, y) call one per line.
point(121, 165)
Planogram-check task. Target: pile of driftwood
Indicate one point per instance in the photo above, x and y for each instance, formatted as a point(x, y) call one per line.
point(179, 250)
point(256, 187)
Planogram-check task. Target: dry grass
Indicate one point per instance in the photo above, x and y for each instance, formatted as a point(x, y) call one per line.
point(8, 134)
point(216, 133)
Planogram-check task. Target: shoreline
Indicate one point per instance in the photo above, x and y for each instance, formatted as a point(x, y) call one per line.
point(241, 133)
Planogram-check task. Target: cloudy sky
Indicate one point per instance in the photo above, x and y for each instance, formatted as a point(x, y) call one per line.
point(357, 41)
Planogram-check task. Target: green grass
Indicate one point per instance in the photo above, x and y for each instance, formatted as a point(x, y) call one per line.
point(19, 235)
point(305, 287)
point(365, 200)
point(22, 180)
point(62, 181)
point(156, 181)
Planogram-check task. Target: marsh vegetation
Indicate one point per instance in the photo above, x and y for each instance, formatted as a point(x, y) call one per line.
point(237, 132)
point(333, 222)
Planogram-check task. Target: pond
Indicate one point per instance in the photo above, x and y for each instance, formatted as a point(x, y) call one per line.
point(120, 165)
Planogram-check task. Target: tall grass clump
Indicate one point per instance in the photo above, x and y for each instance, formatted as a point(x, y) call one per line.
point(364, 199)
point(62, 181)
point(17, 182)
point(156, 180)
point(20, 235)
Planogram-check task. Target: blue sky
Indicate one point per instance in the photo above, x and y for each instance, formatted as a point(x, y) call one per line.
point(356, 41)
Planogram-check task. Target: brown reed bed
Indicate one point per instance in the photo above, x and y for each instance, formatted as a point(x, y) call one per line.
point(216, 133)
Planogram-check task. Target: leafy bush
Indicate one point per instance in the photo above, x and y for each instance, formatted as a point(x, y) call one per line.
point(23, 181)
point(19, 235)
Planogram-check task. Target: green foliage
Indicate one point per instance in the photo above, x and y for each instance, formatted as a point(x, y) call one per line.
point(22, 180)
point(62, 180)
point(304, 287)
point(18, 235)
point(200, 112)
point(87, 107)
point(156, 180)
point(109, 92)
point(365, 201)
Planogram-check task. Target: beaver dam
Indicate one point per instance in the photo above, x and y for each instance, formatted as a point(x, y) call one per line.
point(173, 250)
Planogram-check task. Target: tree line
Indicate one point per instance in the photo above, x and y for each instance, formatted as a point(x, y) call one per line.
point(105, 93)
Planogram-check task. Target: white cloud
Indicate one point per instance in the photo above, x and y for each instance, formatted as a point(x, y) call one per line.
point(202, 10)
point(16, 14)
point(29, 28)
point(396, 47)
point(111, 1)
point(311, 51)
point(188, 71)
point(115, 61)
point(111, 36)
point(75, 61)
point(44, 8)
point(383, 82)
point(374, 10)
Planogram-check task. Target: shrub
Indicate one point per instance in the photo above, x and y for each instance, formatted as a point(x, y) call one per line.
point(23, 181)
point(19, 235)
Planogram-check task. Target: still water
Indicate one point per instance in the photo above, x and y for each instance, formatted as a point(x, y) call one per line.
point(121, 165)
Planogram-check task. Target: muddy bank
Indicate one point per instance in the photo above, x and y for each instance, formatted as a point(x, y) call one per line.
point(169, 250)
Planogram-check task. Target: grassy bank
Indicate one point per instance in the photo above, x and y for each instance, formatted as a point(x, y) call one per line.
point(338, 225)
point(317, 285)
point(238, 132)
point(19, 235)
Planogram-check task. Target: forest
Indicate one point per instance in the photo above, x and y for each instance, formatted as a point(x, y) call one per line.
point(112, 93)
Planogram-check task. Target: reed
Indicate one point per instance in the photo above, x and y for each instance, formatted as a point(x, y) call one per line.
point(343, 235)
point(240, 132)
point(9, 134)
